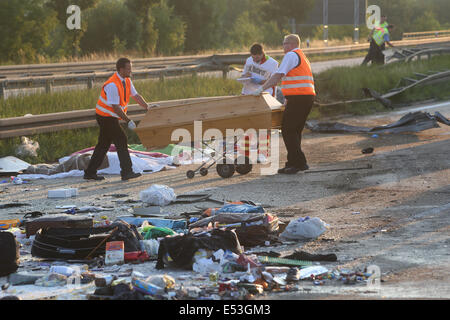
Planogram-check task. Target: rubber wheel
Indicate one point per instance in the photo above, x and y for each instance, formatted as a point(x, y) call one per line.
point(225, 170)
point(190, 174)
point(203, 172)
point(244, 166)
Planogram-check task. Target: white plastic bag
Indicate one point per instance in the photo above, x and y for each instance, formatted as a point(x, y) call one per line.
point(301, 228)
point(28, 148)
point(150, 246)
point(158, 195)
point(206, 266)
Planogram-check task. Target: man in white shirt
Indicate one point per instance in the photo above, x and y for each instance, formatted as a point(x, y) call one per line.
point(111, 107)
point(259, 67)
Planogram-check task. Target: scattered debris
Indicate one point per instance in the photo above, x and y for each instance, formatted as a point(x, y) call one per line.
point(13, 205)
point(63, 193)
point(302, 228)
point(28, 148)
point(411, 122)
point(158, 195)
point(106, 255)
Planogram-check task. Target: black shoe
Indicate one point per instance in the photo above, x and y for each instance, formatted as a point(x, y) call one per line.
point(282, 170)
point(93, 177)
point(130, 175)
point(294, 170)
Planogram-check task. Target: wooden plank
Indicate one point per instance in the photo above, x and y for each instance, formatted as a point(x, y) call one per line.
point(229, 107)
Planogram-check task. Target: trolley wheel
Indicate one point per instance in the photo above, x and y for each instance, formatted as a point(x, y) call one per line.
point(225, 170)
point(203, 172)
point(190, 174)
point(243, 165)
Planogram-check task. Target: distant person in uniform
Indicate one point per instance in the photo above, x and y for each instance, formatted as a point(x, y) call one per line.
point(380, 37)
point(382, 24)
point(111, 107)
point(298, 88)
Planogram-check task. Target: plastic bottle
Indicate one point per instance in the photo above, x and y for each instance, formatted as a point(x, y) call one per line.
point(67, 271)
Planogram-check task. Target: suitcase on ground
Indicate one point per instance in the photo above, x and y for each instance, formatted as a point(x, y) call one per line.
point(57, 221)
point(79, 243)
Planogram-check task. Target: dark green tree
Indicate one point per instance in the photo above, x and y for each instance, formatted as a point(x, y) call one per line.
point(141, 8)
point(204, 22)
point(72, 37)
point(112, 27)
point(170, 28)
point(283, 10)
point(25, 28)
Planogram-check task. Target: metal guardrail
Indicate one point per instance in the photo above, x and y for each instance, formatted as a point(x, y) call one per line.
point(426, 34)
point(155, 68)
point(53, 122)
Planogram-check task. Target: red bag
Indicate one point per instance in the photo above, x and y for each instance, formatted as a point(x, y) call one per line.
point(140, 256)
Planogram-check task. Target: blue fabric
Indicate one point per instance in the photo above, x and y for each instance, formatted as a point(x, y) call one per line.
point(386, 37)
point(241, 208)
point(176, 225)
point(256, 80)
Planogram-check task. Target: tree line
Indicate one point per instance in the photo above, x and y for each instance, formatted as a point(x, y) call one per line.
point(34, 31)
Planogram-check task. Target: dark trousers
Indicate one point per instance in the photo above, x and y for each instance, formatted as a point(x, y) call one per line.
point(110, 132)
point(375, 54)
point(294, 119)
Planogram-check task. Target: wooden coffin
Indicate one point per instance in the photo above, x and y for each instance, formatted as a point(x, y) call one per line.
point(237, 112)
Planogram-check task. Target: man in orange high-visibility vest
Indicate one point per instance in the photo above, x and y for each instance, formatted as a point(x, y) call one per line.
point(112, 106)
point(298, 88)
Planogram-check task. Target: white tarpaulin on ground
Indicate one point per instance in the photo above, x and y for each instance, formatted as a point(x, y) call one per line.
point(12, 164)
point(141, 164)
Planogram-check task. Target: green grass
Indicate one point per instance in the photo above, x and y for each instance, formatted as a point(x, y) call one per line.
point(171, 89)
point(338, 84)
point(345, 83)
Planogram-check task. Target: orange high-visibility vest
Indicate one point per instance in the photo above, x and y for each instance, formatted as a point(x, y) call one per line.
point(106, 110)
point(300, 80)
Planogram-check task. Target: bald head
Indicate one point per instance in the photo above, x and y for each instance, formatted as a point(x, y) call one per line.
point(291, 42)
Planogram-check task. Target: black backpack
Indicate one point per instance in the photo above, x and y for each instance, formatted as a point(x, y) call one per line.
point(9, 253)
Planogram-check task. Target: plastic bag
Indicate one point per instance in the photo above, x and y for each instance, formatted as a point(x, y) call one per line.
point(150, 246)
point(206, 266)
point(158, 195)
point(301, 228)
point(27, 148)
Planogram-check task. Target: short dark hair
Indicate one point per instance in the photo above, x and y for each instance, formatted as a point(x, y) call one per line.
point(121, 63)
point(257, 49)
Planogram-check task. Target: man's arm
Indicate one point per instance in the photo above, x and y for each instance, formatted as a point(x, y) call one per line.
point(387, 39)
point(272, 81)
point(118, 110)
point(138, 98)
